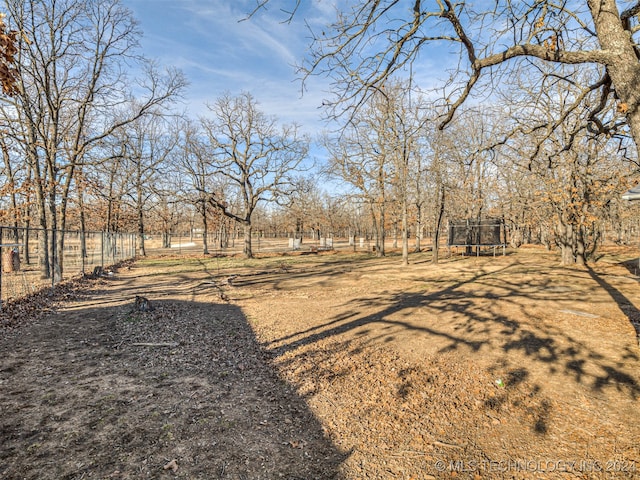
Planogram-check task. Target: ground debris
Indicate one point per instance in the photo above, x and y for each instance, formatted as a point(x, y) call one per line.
point(321, 372)
point(172, 465)
point(196, 387)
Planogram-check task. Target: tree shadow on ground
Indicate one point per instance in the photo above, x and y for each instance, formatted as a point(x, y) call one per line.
point(633, 266)
point(625, 305)
point(469, 313)
point(183, 391)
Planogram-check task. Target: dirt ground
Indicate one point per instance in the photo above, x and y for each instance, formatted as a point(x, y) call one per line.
point(327, 366)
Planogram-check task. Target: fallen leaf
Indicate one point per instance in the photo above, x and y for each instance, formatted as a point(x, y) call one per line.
point(172, 465)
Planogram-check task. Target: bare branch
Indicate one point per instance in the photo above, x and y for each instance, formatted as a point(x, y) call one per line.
point(631, 12)
point(262, 5)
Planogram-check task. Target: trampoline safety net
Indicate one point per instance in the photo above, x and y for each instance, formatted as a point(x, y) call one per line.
point(483, 232)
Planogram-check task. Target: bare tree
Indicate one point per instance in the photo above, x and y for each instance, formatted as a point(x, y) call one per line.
point(372, 41)
point(437, 180)
point(71, 92)
point(110, 185)
point(419, 171)
point(403, 124)
point(302, 207)
point(147, 143)
point(258, 157)
point(196, 187)
point(199, 181)
point(362, 157)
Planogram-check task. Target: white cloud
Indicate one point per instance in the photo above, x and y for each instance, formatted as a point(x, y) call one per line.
point(219, 53)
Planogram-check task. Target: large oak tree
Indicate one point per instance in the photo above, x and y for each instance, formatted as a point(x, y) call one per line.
point(370, 41)
point(257, 156)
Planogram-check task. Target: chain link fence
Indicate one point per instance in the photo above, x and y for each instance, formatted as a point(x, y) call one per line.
point(26, 268)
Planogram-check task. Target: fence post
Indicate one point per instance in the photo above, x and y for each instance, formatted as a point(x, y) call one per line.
point(83, 247)
point(1, 237)
point(21, 285)
point(53, 258)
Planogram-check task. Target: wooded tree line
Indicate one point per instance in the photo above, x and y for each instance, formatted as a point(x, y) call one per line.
point(71, 99)
point(562, 78)
point(89, 145)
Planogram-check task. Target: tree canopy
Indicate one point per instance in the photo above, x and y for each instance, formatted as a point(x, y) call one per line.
point(369, 42)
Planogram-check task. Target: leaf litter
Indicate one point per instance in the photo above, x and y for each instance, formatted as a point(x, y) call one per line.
point(195, 389)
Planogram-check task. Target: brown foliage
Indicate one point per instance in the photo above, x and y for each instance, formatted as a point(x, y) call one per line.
point(8, 51)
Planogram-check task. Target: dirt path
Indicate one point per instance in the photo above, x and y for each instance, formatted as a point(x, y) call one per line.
point(80, 398)
point(330, 367)
point(505, 367)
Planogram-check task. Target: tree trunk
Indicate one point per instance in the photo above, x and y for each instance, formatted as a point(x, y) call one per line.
point(26, 236)
point(43, 237)
point(565, 240)
point(56, 267)
point(374, 225)
point(224, 232)
point(580, 252)
point(418, 247)
point(141, 248)
point(623, 67)
point(83, 229)
point(436, 234)
point(248, 252)
point(395, 234)
point(109, 224)
point(205, 229)
point(405, 235)
point(380, 234)
point(140, 210)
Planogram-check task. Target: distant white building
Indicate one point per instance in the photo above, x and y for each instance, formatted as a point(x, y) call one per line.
point(633, 194)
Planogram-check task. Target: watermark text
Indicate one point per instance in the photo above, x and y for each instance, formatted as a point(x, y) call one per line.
point(536, 466)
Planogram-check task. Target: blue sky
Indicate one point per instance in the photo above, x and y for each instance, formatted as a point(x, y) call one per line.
point(219, 53)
